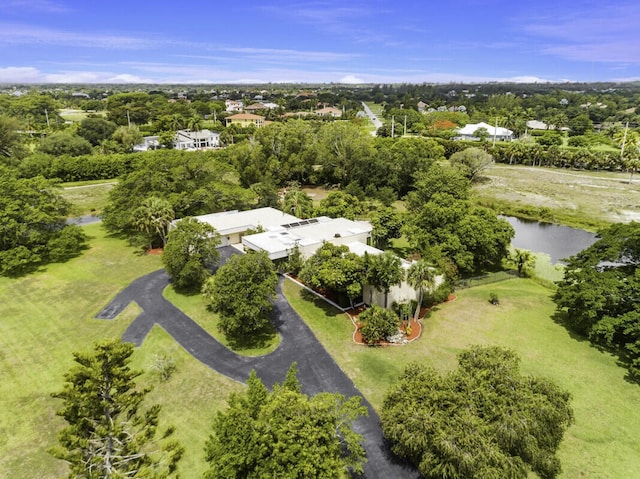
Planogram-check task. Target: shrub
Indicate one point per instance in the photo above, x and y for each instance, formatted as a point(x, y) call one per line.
point(378, 324)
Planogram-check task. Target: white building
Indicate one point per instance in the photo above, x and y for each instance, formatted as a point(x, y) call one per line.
point(196, 140)
point(468, 132)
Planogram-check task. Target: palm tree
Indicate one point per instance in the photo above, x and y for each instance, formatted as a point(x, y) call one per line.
point(298, 203)
point(524, 260)
point(421, 277)
point(154, 215)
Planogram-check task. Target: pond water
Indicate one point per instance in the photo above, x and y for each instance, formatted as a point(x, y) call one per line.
point(556, 241)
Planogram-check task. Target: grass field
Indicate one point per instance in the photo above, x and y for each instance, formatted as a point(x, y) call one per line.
point(588, 200)
point(87, 197)
point(603, 443)
point(48, 315)
point(78, 115)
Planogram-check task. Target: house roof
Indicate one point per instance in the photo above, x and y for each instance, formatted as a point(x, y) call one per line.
point(471, 128)
point(245, 116)
point(256, 106)
point(228, 222)
point(328, 111)
point(188, 135)
point(279, 241)
point(537, 125)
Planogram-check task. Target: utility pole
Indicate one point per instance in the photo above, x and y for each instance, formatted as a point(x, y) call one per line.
point(128, 119)
point(392, 126)
point(405, 126)
point(624, 140)
point(46, 115)
point(495, 132)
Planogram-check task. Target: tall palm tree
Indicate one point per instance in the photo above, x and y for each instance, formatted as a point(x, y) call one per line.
point(154, 216)
point(421, 277)
point(298, 203)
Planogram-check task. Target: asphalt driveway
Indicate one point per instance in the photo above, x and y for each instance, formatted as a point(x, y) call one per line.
point(317, 371)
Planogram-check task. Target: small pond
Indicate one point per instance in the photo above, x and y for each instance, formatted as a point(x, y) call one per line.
point(556, 241)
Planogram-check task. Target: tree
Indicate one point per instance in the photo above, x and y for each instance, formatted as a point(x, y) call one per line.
point(598, 295)
point(384, 271)
point(110, 434)
point(484, 419)
point(10, 140)
point(33, 224)
point(190, 252)
point(64, 143)
point(473, 162)
point(377, 324)
point(126, 137)
point(524, 260)
point(242, 292)
point(339, 204)
point(153, 218)
point(421, 277)
point(285, 433)
point(387, 224)
point(298, 203)
point(96, 129)
point(335, 268)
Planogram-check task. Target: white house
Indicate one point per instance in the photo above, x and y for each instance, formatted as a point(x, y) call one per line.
point(468, 132)
point(233, 225)
point(282, 233)
point(148, 143)
point(233, 106)
point(196, 140)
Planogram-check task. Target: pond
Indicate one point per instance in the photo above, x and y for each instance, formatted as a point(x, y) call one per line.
point(556, 241)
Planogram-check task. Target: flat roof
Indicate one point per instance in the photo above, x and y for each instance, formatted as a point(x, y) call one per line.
point(228, 222)
point(304, 233)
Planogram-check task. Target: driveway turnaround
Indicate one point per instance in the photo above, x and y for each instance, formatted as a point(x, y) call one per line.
point(317, 371)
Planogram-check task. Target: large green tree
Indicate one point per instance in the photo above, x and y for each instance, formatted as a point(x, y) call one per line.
point(484, 419)
point(378, 324)
point(152, 218)
point(64, 143)
point(336, 268)
point(96, 129)
point(194, 183)
point(599, 292)
point(11, 144)
point(110, 433)
point(285, 433)
point(242, 292)
point(443, 222)
point(473, 162)
point(33, 228)
point(190, 253)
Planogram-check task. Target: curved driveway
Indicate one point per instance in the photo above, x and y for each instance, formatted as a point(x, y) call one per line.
point(317, 371)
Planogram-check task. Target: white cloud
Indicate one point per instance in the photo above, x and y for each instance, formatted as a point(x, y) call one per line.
point(20, 75)
point(18, 34)
point(40, 6)
point(351, 79)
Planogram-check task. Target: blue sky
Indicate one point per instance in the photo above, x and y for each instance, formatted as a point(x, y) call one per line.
point(374, 41)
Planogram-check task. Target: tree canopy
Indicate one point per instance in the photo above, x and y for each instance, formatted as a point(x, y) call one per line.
point(242, 292)
point(482, 420)
point(110, 433)
point(285, 433)
point(33, 228)
point(599, 292)
point(190, 253)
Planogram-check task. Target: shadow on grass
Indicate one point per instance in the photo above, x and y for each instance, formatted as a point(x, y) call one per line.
point(622, 358)
point(319, 303)
point(257, 339)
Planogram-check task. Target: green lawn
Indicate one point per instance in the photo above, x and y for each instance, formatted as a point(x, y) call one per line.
point(48, 315)
point(195, 307)
point(603, 443)
point(78, 115)
point(87, 197)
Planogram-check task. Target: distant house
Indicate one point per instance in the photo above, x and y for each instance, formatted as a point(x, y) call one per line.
point(537, 125)
point(148, 143)
point(422, 106)
point(245, 119)
point(255, 107)
point(329, 111)
point(469, 132)
point(233, 105)
point(196, 140)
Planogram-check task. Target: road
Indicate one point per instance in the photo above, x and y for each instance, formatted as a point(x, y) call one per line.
point(376, 121)
point(317, 371)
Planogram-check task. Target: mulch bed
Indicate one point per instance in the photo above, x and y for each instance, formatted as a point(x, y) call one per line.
point(155, 251)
